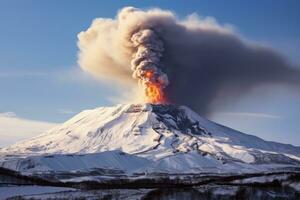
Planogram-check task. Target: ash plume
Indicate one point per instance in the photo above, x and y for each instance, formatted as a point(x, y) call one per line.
point(192, 61)
point(146, 63)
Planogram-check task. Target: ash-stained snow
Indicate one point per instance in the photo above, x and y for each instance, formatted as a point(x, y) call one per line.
point(146, 138)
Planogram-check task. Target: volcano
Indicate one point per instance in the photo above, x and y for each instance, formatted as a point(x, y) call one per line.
point(135, 140)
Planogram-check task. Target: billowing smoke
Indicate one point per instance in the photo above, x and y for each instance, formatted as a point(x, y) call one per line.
point(146, 64)
point(192, 61)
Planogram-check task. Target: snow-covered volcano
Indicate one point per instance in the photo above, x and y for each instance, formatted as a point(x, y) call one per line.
point(159, 138)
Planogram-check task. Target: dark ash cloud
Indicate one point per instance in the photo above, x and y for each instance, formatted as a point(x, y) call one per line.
point(203, 60)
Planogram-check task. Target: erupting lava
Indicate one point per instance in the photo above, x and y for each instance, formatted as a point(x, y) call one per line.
point(146, 65)
point(154, 92)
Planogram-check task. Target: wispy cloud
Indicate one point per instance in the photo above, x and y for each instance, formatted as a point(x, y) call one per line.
point(20, 73)
point(14, 128)
point(66, 111)
point(249, 114)
point(62, 74)
point(8, 114)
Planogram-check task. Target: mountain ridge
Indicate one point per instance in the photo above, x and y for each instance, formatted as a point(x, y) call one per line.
point(172, 138)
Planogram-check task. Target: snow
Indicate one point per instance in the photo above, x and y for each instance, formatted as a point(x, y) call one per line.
point(185, 162)
point(293, 156)
point(94, 131)
point(146, 138)
point(86, 162)
point(262, 179)
point(222, 191)
point(295, 186)
point(237, 153)
point(125, 194)
point(12, 191)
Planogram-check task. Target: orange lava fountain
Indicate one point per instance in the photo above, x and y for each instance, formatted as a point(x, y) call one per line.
point(154, 92)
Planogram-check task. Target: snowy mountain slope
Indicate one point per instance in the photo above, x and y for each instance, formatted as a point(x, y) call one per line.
point(113, 164)
point(116, 161)
point(173, 138)
point(92, 131)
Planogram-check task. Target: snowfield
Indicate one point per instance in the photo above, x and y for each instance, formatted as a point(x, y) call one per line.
point(12, 191)
point(114, 160)
point(144, 139)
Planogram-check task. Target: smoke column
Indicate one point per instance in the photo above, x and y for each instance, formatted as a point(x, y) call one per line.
point(192, 61)
point(146, 64)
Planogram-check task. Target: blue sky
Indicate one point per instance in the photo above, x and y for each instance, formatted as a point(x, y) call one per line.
point(40, 79)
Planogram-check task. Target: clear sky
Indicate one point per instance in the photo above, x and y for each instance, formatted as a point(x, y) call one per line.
point(41, 81)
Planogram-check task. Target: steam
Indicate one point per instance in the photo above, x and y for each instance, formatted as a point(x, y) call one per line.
point(192, 61)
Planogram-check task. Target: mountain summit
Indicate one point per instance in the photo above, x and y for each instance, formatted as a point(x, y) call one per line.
point(158, 138)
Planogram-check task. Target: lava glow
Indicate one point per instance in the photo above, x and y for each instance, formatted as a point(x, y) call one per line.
point(154, 92)
point(149, 74)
